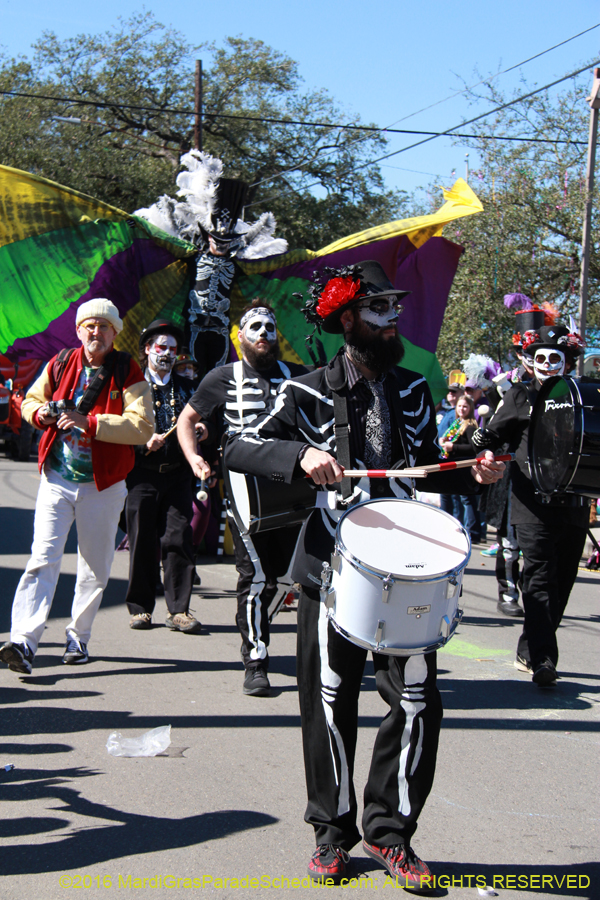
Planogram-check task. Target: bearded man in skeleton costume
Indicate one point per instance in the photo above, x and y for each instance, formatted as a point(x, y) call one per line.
point(231, 397)
point(209, 217)
point(551, 534)
point(362, 409)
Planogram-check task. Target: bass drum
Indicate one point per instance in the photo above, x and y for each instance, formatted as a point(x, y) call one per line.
point(396, 576)
point(258, 504)
point(564, 437)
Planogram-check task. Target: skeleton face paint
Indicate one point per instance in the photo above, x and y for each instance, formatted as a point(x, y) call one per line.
point(548, 362)
point(260, 327)
point(162, 353)
point(380, 313)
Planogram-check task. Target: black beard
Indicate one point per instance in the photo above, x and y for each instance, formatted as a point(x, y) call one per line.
point(376, 353)
point(257, 359)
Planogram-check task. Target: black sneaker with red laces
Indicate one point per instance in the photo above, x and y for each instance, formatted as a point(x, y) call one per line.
point(404, 865)
point(328, 862)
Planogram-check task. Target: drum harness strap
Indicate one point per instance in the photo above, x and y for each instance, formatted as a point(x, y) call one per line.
point(342, 440)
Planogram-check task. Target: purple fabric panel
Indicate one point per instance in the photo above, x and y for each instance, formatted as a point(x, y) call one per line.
point(427, 272)
point(117, 279)
point(389, 253)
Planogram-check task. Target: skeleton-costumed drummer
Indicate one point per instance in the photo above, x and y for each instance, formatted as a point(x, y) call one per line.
point(391, 423)
point(551, 534)
point(232, 397)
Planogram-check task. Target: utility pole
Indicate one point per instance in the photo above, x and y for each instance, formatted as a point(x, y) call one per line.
point(594, 101)
point(198, 107)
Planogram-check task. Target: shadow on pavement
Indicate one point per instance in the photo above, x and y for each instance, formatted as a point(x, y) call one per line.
point(131, 834)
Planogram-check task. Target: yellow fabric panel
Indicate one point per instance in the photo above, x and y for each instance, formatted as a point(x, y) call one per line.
point(31, 205)
point(459, 201)
point(154, 289)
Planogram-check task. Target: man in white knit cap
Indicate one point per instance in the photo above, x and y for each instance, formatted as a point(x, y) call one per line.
point(92, 405)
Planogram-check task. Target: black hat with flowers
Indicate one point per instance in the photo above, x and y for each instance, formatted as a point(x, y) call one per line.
point(342, 289)
point(550, 337)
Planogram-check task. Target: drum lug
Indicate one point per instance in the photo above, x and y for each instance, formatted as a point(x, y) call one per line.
point(446, 627)
point(451, 587)
point(379, 633)
point(388, 584)
point(336, 560)
point(325, 591)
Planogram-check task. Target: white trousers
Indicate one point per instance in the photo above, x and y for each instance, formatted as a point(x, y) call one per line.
point(96, 514)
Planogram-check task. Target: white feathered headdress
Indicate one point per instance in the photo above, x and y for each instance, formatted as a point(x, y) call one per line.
point(199, 212)
point(480, 369)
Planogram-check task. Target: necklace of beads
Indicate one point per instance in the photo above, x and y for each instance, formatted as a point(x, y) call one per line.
point(157, 395)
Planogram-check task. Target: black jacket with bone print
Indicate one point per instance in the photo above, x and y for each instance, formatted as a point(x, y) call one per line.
point(303, 414)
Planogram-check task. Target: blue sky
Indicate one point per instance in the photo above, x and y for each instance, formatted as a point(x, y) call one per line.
point(383, 59)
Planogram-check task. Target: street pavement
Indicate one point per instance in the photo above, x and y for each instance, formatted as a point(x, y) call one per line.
point(514, 804)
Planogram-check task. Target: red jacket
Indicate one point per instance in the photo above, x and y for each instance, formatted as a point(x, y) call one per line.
point(119, 419)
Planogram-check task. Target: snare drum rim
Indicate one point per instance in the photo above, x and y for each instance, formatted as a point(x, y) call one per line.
point(398, 651)
point(341, 550)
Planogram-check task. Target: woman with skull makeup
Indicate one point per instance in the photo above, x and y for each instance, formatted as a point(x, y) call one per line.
point(550, 533)
point(160, 492)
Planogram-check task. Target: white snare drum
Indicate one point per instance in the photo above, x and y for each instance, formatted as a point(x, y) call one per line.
point(395, 577)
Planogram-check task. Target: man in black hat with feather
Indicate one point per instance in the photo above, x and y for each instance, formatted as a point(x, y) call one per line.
point(390, 423)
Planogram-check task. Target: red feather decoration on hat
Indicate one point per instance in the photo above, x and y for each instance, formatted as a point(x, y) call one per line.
point(337, 292)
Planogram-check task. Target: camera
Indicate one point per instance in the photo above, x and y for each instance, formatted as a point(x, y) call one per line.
point(55, 408)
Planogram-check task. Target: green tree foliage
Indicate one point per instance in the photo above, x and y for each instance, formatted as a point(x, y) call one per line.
point(528, 239)
point(310, 177)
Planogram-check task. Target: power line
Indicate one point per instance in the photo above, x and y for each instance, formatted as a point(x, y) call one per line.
point(449, 131)
point(492, 77)
point(269, 121)
point(452, 131)
point(484, 115)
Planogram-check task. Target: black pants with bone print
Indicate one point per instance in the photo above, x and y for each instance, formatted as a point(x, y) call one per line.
point(330, 672)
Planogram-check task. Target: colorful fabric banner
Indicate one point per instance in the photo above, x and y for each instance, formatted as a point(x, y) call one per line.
point(59, 248)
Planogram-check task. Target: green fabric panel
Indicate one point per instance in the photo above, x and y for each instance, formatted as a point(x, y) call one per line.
point(173, 310)
point(425, 362)
point(42, 275)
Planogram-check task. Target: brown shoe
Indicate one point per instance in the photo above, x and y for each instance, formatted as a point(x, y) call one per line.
point(183, 622)
point(141, 621)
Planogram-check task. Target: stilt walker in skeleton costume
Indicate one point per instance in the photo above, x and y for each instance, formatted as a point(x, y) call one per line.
point(232, 397)
point(209, 216)
point(390, 424)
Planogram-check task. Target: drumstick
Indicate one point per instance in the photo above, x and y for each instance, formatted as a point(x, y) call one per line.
point(202, 493)
point(421, 472)
point(166, 434)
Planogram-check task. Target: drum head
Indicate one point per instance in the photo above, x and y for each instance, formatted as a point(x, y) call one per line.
point(404, 538)
point(554, 436)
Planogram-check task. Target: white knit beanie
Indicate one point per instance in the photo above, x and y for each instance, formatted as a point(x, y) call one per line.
point(100, 308)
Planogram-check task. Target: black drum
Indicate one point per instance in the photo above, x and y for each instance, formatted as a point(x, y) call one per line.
point(564, 437)
point(258, 504)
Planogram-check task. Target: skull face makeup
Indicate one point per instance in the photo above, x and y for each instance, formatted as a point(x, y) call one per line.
point(380, 313)
point(547, 362)
point(161, 353)
point(260, 327)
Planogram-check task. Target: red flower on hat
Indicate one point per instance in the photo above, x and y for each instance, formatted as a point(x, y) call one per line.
point(529, 338)
point(516, 338)
point(337, 292)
